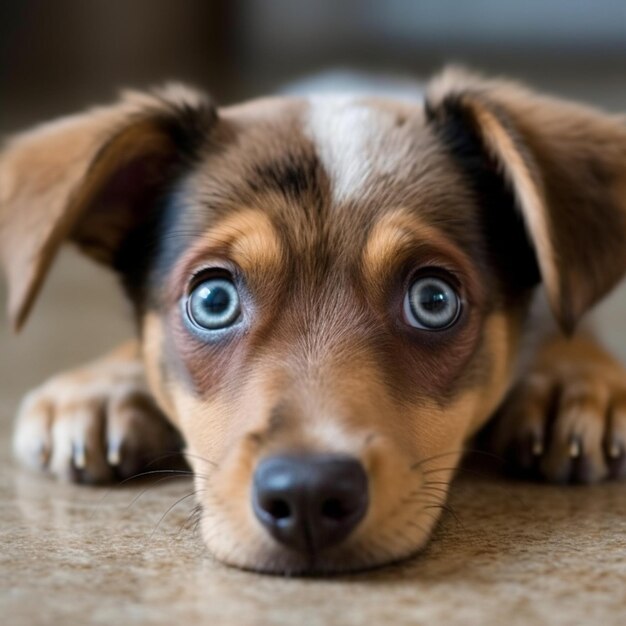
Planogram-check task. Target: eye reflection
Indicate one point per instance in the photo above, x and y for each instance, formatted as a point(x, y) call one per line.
point(431, 303)
point(214, 304)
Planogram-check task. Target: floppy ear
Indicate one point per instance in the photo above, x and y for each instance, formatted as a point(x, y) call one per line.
point(90, 178)
point(566, 167)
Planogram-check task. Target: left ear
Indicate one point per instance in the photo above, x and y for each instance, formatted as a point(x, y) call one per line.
point(92, 179)
point(566, 167)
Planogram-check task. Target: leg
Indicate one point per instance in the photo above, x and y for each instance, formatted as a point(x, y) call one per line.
point(566, 419)
point(95, 423)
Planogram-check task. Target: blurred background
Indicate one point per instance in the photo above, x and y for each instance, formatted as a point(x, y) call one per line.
point(59, 56)
point(62, 55)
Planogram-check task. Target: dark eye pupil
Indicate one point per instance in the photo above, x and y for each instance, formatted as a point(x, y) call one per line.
point(214, 304)
point(433, 299)
point(216, 300)
point(431, 303)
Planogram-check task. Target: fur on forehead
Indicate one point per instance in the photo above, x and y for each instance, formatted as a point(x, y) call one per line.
point(364, 146)
point(282, 156)
point(363, 142)
point(274, 156)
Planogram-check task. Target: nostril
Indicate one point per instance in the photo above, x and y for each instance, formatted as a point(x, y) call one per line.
point(309, 503)
point(334, 509)
point(278, 509)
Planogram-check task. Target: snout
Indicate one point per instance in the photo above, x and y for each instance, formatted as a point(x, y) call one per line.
point(310, 502)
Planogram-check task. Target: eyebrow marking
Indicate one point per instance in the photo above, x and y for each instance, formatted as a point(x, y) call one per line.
point(247, 238)
point(398, 236)
point(250, 239)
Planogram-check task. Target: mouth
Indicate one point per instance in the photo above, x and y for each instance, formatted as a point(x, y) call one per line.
point(320, 515)
point(352, 557)
point(345, 563)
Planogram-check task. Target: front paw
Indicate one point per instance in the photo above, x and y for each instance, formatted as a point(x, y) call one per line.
point(92, 425)
point(566, 421)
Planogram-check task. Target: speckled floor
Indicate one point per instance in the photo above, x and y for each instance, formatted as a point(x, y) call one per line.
point(518, 553)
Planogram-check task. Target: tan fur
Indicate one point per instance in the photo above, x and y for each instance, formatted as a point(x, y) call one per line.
point(51, 175)
point(400, 234)
point(560, 158)
point(570, 405)
point(531, 198)
point(151, 356)
point(326, 209)
point(60, 425)
point(338, 410)
point(247, 238)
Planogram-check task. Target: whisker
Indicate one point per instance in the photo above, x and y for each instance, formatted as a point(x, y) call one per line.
point(110, 490)
point(189, 495)
point(436, 497)
point(473, 473)
point(448, 509)
point(166, 455)
point(419, 527)
point(201, 458)
point(434, 457)
point(432, 488)
point(455, 469)
point(192, 521)
point(461, 451)
point(152, 486)
point(154, 472)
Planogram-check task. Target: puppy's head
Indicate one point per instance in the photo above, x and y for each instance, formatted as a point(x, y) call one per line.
point(330, 293)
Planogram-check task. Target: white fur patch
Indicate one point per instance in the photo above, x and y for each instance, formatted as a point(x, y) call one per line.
point(356, 142)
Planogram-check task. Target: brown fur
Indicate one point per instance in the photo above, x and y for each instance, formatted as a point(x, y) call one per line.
point(163, 188)
point(561, 159)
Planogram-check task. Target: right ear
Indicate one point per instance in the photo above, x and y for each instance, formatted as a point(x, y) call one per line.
point(91, 178)
point(565, 165)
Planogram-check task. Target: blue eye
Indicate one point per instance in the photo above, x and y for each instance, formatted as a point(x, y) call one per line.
point(214, 304)
point(432, 304)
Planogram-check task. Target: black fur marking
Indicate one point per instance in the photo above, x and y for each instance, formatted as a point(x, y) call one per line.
point(146, 249)
point(510, 250)
point(297, 177)
point(188, 126)
point(152, 248)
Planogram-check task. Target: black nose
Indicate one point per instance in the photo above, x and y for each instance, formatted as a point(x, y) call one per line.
point(310, 502)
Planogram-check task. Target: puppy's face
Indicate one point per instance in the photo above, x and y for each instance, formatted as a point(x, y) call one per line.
point(322, 293)
point(330, 293)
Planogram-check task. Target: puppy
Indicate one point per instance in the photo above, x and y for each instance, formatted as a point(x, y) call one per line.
point(332, 296)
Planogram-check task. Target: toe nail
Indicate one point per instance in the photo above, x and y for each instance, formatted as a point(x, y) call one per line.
point(574, 449)
point(615, 451)
point(80, 458)
point(113, 455)
point(43, 454)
